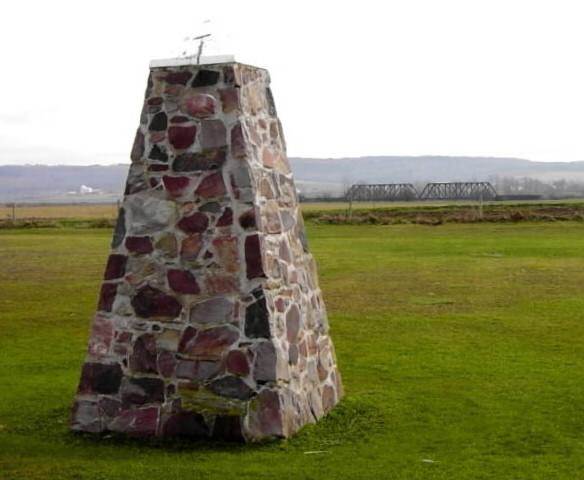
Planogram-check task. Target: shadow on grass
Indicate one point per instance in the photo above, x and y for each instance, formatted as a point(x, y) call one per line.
point(351, 421)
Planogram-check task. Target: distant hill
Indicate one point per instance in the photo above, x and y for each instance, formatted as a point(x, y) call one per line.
point(314, 176)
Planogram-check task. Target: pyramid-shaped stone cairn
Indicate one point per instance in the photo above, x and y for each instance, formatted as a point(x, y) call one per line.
point(210, 320)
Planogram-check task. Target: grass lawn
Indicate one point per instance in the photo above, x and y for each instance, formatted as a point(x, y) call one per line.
point(461, 348)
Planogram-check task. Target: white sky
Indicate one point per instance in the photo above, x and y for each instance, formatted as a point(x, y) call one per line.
point(403, 77)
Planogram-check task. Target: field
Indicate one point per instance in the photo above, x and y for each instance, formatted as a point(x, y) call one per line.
point(381, 213)
point(460, 346)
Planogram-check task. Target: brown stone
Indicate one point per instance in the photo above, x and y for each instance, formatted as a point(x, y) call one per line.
point(178, 78)
point(167, 245)
point(293, 323)
point(227, 253)
point(211, 186)
point(214, 311)
point(229, 99)
point(138, 147)
point(213, 134)
point(210, 159)
point(213, 341)
point(191, 246)
point(219, 283)
point(238, 144)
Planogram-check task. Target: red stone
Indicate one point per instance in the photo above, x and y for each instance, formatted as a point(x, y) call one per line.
point(229, 99)
point(253, 257)
point(140, 245)
point(211, 186)
point(102, 334)
point(155, 101)
point(226, 218)
point(201, 105)
point(182, 137)
point(238, 149)
point(187, 339)
point(280, 304)
point(177, 78)
point(182, 281)
point(116, 267)
point(144, 353)
point(175, 185)
point(107, 295)
point(237, 363)
point(266, 418)
point(157, 168)
point(151, 302)
point(140, 422)
point(195, 223)
point(212, 342)
point(213, 134)
point(166, 364)
point(199, 370)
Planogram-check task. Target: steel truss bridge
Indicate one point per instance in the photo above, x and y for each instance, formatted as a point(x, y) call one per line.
point(458, 191)
point(387, 192)
point(383, 192)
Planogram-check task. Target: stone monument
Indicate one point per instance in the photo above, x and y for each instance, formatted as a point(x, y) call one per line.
point(210, 320)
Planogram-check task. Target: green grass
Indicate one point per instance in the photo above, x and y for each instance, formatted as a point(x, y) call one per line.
point(461, 349)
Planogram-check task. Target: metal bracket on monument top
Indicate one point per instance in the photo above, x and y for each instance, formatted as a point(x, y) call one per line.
point(197, 58)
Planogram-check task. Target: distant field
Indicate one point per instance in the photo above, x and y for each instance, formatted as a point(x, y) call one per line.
point(109, 211)
point(27, 211)
point(460, 347)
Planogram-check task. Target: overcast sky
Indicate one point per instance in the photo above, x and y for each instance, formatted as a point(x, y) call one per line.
point(404, 77)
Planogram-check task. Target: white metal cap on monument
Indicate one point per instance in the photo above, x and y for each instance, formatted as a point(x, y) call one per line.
point(192, 52)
